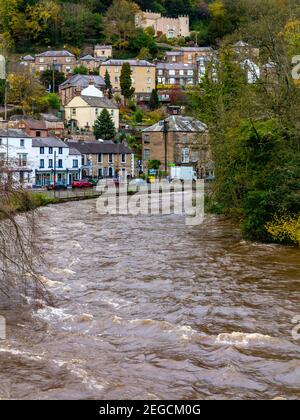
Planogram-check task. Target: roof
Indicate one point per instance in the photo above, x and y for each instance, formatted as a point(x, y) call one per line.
point(195, 49)
point(35, 124)
point(87, 58)
point(177, 123)
point(48, 142)
point(104, 47)
point(133, 63)
point(28, 58)
point(175, 66)
point(95, 102)
point(177, 53)
point(73, 151)
point(13, 132)
point(50, 117)
point(50, 53)
point(97, 147)
point(80, 80)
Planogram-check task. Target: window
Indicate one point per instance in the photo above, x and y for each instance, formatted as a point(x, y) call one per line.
point(148, 89)
point(190, 73)
point(111, 158)
point(190, 57)
point(160, 72)
point(181, 72)
point(22, 143)
point(22, 160)
point(42, 60)
point(38, 134)
point(185, 155)
point(42, 68)
point(68, 60)
point(75, 163)
point(172, 81)
point(110, 172)
point(42, 164)
point(172, 72)
point(123, 158)
point(174, 59)
point(50, 164)
point(42, 150)
point(74, 111)
point(112, 112)
point(116, 79)
point(60, 163)
point(97, 111)
point(116, 69)
point(149, 80)
point(50, 150)
point(60, 150)
point(100, 158)
point(146, 154)
point(100, 173)
point(146, 138)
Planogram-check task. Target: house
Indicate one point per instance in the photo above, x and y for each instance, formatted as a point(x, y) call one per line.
point(28, 62)
point(105, 159)
point(53, 160)
point(15, 149)
point(180, 141)
point(188, 55)
point(171, 27)
point(176, 75)
point(89, 62)
point(48, 125)
point(103, 51)
point(83, 110)
point(37, 161)
point(143, 74)
point(63, 61)
point(75, 84)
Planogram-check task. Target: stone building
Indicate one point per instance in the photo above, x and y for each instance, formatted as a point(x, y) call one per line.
point(171, 27)
point(105, 159)
point(103, 51)
point(75, 85)
point(179, 141)
point(188, 55)
point(63, 61)
point(176, 75)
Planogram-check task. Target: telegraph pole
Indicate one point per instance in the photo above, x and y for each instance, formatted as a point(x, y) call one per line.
point(166, 129)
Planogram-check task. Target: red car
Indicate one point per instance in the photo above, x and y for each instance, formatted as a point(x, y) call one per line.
point(82, 184)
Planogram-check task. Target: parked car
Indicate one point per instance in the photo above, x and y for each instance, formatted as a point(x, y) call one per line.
point(93, 181)
point(58, 186)
point(138, 182)
point(82, 184)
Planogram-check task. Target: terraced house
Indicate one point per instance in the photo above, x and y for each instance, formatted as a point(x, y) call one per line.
point(105, 159)
point(63, 61)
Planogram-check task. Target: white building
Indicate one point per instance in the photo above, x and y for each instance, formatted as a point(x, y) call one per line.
point(37, 161)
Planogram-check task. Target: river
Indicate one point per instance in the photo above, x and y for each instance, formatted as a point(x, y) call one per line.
point(148, 308)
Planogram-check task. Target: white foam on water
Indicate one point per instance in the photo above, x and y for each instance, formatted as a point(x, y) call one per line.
point(49, 313)
point(243, 339)
point(49, 283)
point(66, 271)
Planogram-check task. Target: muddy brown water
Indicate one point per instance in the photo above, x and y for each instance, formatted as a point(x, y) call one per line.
point(147, 308)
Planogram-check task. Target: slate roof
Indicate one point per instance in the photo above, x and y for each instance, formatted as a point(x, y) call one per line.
point(48, 142)
point(175, 66)
point(87, 58)
point(50, 53)
point(177, 123)
point(80, 80)
point(28, 58)
point(97, 147)
point(133, 63)
point(95, 102)
point(13, 132)
point(35, 124)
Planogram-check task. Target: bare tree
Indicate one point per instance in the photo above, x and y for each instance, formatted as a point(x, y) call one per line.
point(19, 255)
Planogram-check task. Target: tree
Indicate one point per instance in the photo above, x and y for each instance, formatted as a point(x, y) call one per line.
point(126, 81)
point(46, 77)
point(81, 70)
point(104, 126)
point(119, 22)
point(142, 39)
point(108, 84)
point(25, 90)
point(154, 100)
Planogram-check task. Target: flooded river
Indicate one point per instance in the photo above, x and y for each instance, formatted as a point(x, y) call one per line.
point(147, 308)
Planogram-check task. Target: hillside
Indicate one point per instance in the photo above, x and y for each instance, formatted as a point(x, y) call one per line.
point(29, 25)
